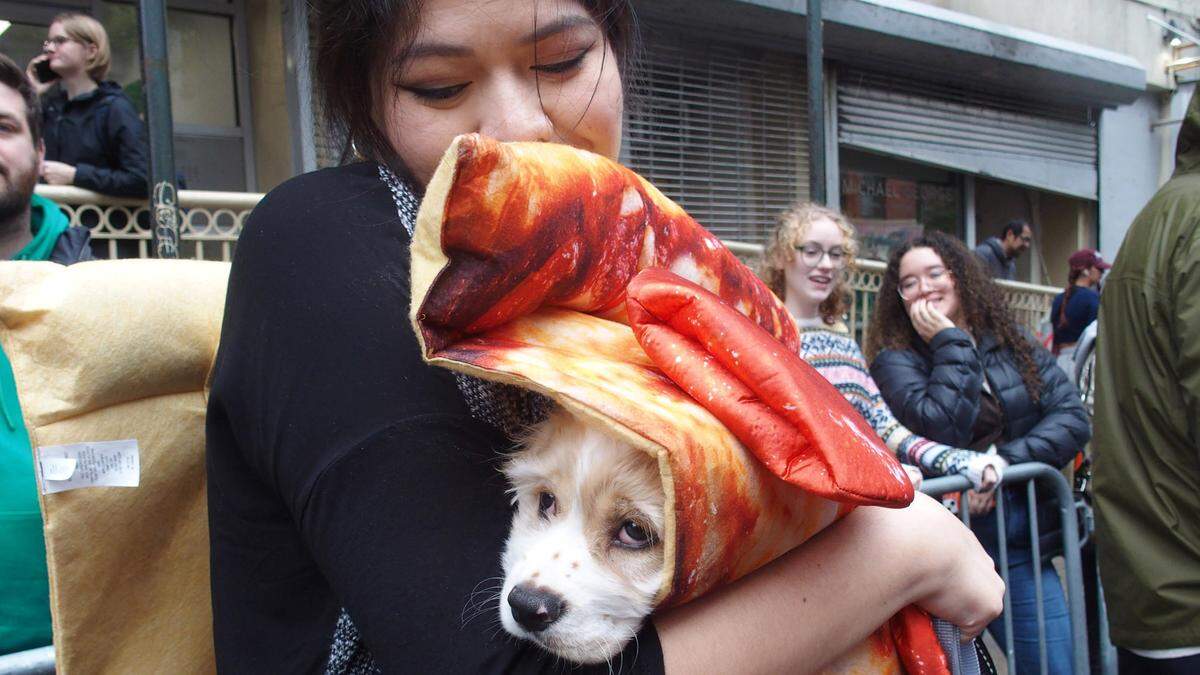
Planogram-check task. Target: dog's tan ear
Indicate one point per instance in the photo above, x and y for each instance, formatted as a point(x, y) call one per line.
point(796, 423)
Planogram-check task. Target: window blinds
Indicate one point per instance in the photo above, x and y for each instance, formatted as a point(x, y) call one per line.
point(721, 128)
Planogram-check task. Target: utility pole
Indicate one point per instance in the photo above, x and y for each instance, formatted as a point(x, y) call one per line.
point(164, 194)
point(816, 104)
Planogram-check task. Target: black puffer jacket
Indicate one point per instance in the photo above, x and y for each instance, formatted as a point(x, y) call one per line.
point(935, 390)
point(101, 135)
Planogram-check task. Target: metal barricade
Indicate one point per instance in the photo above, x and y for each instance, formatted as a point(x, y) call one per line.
point(1030, 475)
point(38, 661)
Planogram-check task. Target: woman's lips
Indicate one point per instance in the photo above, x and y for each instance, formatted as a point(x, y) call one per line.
point(820, 280)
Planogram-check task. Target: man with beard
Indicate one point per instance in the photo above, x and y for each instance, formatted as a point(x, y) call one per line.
point(999, 254)
point(31, 228)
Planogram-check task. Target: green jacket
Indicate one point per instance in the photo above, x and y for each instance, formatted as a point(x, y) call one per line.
point(1147, 416)
point(24, 585)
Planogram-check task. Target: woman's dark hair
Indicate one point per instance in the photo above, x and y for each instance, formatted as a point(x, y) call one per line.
point(1072, 277)
point(981, 300)
point(355, 41)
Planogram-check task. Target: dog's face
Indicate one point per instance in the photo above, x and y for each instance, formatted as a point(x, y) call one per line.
point(585, 555)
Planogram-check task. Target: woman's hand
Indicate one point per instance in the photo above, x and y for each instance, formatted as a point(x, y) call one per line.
point(968, 592)
point(981, 502)
point(38, 86)
point(57, 173)
point(927, 321)
point(914, 475)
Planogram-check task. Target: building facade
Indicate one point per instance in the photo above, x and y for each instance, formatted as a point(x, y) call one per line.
point(956, 115)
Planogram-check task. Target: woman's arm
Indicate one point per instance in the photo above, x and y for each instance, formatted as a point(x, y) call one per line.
point(1063, 429)
point(814, 603)
point(933, 458)
point(939, 401)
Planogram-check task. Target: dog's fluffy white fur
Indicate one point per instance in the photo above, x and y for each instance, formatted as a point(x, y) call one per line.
point(584, 559)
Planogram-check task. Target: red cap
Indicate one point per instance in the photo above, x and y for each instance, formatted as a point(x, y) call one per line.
point(1087, 257)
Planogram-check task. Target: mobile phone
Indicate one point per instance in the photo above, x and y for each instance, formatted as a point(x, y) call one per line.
point(42, 70)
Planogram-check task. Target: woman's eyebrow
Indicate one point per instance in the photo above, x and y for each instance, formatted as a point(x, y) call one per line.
point(425, 49)
point(558, 26)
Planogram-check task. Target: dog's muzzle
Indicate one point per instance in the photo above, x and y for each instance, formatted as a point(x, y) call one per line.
point(535, 608)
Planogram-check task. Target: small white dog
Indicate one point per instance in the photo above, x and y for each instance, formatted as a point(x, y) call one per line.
point(584, 559)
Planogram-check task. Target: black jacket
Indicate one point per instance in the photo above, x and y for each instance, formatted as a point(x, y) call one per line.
point(998, 265)
point(101, 135)
point(935, 390)
point(73, 246)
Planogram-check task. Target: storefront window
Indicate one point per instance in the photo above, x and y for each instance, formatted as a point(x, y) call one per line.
point(890, 201)
point(21, 42)
point(208, 134)
point(200, 53)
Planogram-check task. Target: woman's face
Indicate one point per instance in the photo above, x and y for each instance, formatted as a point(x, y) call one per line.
point(67, 56)
point(813, 271)
point(515, 70)
point(923, 276)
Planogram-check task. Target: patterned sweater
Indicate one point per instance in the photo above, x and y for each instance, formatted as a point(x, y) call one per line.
point(837, 357)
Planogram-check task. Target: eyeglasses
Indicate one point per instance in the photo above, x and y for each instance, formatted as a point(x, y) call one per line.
point(812, 254)
point(57, 41)
point(910, 286)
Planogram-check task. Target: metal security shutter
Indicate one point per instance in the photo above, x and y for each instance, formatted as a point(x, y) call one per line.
point(721, 129)
point(1040, 145)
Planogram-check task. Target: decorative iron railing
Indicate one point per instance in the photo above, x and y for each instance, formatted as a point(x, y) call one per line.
point(209, 227)
point(211, 222)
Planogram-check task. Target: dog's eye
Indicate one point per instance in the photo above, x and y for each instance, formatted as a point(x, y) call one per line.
point(632, 535)
point(546, 505)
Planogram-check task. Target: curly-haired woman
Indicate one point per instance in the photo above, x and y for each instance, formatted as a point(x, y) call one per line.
point(953, 366)
point(805, 265)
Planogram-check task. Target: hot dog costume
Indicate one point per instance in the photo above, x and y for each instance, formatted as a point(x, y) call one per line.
point(562, 272)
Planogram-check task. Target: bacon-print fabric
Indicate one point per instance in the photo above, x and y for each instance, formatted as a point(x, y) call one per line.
point(521, 263)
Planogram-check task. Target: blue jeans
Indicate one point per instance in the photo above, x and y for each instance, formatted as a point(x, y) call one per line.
point(1023, 592)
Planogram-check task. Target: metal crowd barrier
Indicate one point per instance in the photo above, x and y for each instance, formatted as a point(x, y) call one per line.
point(1030, 475)
point(38, 661)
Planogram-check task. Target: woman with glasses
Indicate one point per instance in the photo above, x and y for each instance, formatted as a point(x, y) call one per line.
point(94, 137)
point(953, 365)
point(805, 264)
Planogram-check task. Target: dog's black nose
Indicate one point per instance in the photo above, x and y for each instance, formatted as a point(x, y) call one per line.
point(535, 608)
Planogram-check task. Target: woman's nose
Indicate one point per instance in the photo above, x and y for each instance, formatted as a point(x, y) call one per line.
point(516, 113)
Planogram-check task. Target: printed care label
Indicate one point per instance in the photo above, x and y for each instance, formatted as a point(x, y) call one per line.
point(80, 465)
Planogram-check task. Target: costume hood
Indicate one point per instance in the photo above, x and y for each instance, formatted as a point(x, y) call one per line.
point(560, 271)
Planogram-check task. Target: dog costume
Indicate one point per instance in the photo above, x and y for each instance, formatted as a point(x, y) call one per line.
point(560, 271)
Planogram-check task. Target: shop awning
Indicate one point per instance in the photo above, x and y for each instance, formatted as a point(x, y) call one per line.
point(922, 41)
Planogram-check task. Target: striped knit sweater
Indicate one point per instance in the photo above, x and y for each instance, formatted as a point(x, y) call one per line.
point(837, 357)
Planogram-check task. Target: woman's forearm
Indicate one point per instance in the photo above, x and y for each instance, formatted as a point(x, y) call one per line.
point(811, 605)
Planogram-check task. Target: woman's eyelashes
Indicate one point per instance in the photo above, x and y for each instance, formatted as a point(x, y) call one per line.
point(565, 65)
point(438, 94)
point(447, 93)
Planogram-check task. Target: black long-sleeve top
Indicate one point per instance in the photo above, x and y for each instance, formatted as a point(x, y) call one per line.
point(342, 470)
point(101, 135)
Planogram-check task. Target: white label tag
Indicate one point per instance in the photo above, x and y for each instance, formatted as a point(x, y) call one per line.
point(103, 463)
point(58, 468)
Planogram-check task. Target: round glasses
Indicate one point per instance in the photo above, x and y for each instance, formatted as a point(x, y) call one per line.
point(811, 255)
point(57, 41)
point(910, 286)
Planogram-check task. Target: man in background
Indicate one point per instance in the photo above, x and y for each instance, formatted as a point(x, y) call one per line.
point(31, 228)
point(1146, 446)
point(999, 254)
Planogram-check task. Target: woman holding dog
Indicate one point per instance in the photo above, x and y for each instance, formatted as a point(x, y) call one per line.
point(805, 265)
point(952, 363)
point(354, 500)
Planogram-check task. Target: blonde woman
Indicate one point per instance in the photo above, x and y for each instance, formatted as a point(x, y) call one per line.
point(94, 137)
point(805, 264)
